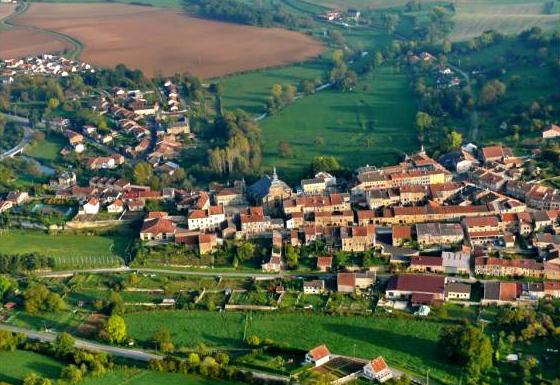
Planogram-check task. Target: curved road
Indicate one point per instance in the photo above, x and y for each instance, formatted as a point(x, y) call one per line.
point(27, 137)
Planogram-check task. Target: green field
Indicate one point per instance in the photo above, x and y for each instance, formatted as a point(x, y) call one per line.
point(178, 4)
point(474, 17)
point(405, 343)
point(79, 250)
point(146, 377)
point(16, 365)
point(373, 124)
point(48, 149)
point(249, 91)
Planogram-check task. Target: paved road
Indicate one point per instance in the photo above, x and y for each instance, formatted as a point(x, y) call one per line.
point(133, 354)
point(27, 137)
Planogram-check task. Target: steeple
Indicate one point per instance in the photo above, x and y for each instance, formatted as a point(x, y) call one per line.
point(274, 174)
point(422, 151)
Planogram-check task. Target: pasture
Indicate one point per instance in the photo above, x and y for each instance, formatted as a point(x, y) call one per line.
point(372, 124)
point(134, 376)
point(405, 343)
point(147, 38)
point(473, 17)
point(21, 363)
point(67, 250)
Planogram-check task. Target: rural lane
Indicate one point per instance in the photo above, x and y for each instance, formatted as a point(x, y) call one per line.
point(133, 354)
point(27, 136)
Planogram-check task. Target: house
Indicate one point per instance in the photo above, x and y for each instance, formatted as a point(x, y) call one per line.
point(439, 233)
point(349, 282)
point(17, 197)
point(460, 161)
point(456, 262)
point(457, 290)
point(314, 287)
point(324, 264)
point(357, 238)
point(500, 293)
point(158, 228)
point(552, 132)
point(230, 197)
point(404, 286)
point(423, 264)
point(116, 207)
point(64, 180)
point(318, 356)
point(377, 370)
point(135, 205)
point(209, 219)
point(5, 206)
point(483, 230)
point(401, 234)
point(496, 153)
point(498, 267)
point(91, 207)
point(207, 243)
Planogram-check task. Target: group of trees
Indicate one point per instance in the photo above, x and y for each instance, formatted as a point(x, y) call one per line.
point(468, 346)
point(341, 77)
point(24, 262)
point(202, 361)
point(243, 13)
point(38, 298)
point(280, 96)
point(241, 153)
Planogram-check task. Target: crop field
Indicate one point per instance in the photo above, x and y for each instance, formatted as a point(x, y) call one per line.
point(406, 343)
point(359, 4)
point(110, 35)
point(505, 16)
point(19, 42)
point(373, 124)
point(67, 250)
point(18, 364)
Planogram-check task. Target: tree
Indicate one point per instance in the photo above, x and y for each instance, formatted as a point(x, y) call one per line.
point(325, 163)
point(7, 284)
point(245, 251)
point(193, 360)
point(253, 341)
point(423, 121)
point(9, 341)
point(142, 172)
point(456, 139)
point(63, 344)
point(284, 149)
point(115, 329)
point(39, 298)
point(162, 339)
point(116, 303)
point(292, 257)
point(35, 379)
point(491, 92)
point(469, 346)
point(72, 374)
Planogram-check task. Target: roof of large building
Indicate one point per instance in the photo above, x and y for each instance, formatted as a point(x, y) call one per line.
point(421, 283)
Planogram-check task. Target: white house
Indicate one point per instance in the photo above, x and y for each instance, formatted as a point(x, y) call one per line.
point(91, 207)
point(318, 356)
point(314, 287)
point(206, 219)
point(378, 370)
point(116, 207)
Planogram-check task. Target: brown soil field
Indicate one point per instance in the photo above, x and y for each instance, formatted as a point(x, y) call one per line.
point(166, 41)
point(18, 42)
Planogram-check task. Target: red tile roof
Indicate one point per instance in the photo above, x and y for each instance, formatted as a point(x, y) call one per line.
point(319, 352)
point(420, 283)
point(378, 364)
point(426, 261)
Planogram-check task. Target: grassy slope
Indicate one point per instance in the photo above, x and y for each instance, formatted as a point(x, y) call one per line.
point(48, 149)
point(18, 241)
point(506, 16)
point(383, 113)
point(408, 344)
point(145, 377)
point(18, 364)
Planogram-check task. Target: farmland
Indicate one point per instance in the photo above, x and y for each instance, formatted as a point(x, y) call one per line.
point(505, 16)
point(66, 249)
point(407, 344)
point(109, 34)
point(372, 124)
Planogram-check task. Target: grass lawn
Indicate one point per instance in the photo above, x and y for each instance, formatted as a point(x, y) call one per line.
point(48, 149)
point(406, 343)
point(80, 250)
point(16, 365)
point(374, 124)
point(132, 376)
point(505, 16)
point(61, 321)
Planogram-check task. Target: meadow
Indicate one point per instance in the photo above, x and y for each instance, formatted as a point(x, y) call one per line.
point(373, 124)
point(21, 363)
point(67, 250)
point(472, 18)
point(408, 344)
point(47, 150)
point(134, 376)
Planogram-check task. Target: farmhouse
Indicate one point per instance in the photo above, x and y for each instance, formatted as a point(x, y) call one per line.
point(377, 370)
point(158, 229)
point(318, 356)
